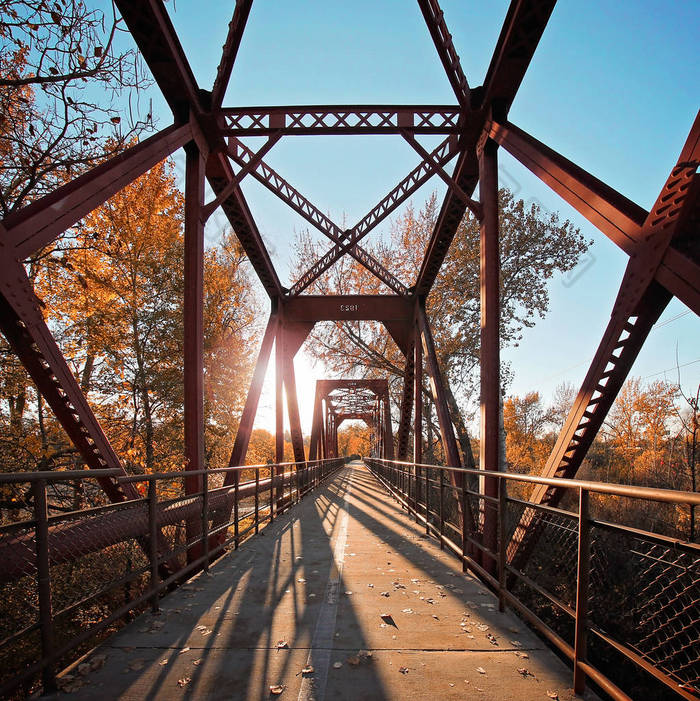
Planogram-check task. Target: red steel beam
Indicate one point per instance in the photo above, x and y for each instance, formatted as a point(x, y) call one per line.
point(437, 388)
point(43, 221)
point(245, 427)
point(341, 119)
point(274, 182)
point(26, 331)
point(640, 302)
point(404, 428)
point(230, 51)
point(489, 355)
point(193, 324)
point(523, 27)
point(434, 18)
point(620, 219)
point(155, 37)
point(313, 308)
point(412, 182)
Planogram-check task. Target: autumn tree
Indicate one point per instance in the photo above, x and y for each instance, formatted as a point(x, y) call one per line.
point(68, 94)
point(354, 439)
point(525, 420)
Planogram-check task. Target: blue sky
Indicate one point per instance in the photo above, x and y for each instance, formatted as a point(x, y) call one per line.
point(613, 86)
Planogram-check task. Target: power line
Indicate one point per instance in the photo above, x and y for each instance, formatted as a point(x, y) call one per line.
point(675, 367)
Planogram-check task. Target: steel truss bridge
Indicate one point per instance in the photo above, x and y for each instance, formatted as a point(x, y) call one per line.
point(494, 535)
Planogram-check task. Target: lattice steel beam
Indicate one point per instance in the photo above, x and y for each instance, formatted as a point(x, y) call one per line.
point(24, 328)
point(439, 157)
point(230, 51)
point(274, 182)
point(434, 18)
point(521, 32)
point(341, 119)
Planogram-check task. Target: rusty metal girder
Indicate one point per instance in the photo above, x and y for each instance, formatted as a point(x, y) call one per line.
point(41, 222)
point(439, 157)
point(442, 39)
point(521, 32)
point(340, 119)
point(274, 182)
point(230, 51)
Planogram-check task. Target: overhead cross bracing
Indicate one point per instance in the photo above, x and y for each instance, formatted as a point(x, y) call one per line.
point(662, 245)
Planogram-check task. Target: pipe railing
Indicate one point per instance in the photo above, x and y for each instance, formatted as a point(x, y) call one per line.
point(423, 491)
point(144, 536)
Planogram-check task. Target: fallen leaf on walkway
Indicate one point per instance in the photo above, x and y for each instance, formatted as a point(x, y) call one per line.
point(516, 643)
point(308, 669)
point(384, 593)
point(281, 644)
point(371, 586)
point(553, 695)
point(407, 611)
point(184, 650)
point(435, 617)
point(301, 579)
point(277, 689)
point(492, 639)
point(523, 655)
point(403, 670)
point(162, 663)
point(337, 665)
point(365, 655)
point(482, 627)
point(481, 670)
point(184, 681)
point(354, 660)
point(525, 672)
point(348, 593)
point(387, 618)
point(196, 663)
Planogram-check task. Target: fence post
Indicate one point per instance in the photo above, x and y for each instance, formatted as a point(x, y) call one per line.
point(464, 522)
point(442, 508)
point(236, 482)
point(272, 493)
point(41, 526)
point(257, 498)
point(153, 541)
point(582, 572)
point(205, 521)
point(502, 545)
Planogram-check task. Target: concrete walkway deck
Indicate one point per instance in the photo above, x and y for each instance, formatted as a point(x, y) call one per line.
point(344, 582)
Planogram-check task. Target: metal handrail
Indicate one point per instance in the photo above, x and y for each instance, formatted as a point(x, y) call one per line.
point(405, 482)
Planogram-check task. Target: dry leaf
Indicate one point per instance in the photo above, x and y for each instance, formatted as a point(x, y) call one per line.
point(525, 672)
point(354, 660)
point(184, 681)
point(481, 670)
point(384, 593)
point(553, 695)
point(162, 663)
point(403, 670)
point(337, 665)
point(184, 650)
point(196, 663)
point(308, 669)
point(281, 644)
point(277, 689)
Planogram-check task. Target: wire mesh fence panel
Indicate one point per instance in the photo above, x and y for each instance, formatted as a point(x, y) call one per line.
point(646, 595)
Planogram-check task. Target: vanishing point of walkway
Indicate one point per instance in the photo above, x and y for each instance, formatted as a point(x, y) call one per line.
point(346, 586)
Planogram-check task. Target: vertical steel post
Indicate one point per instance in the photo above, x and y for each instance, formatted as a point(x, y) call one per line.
point(257, 498)
point(193, 331)
point(43, 571)
point(582, 574)
point(279, 409)
point(490, 349)
point(153, 541)
point(465, 523)
point(502, 543)
point(418, 419)
point(236, 493)
point(205, 521)
point(442, 508)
